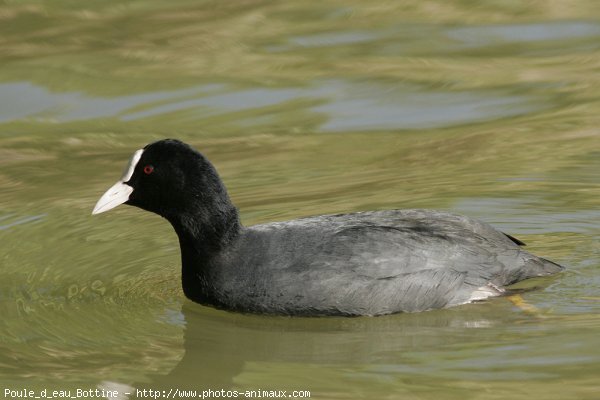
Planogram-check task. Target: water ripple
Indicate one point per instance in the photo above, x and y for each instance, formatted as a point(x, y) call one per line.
point(19, 221)
point(345, 105)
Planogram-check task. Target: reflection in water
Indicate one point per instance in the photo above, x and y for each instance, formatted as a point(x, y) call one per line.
point(23, 100)
point(347, 105)
point(481, 36)
point(368, 106)
point(10, 220)
point(411, 39)
point(227, 350)
point(512, 215)
point(221, 346)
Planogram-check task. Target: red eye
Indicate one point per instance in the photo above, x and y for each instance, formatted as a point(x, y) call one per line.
point(148, 169)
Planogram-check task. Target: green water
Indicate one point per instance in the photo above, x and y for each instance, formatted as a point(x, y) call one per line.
point(490, 109)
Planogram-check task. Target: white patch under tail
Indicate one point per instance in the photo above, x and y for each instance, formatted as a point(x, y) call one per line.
point(485, 292)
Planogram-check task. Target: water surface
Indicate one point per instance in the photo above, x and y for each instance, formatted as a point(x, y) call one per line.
point(487, 110)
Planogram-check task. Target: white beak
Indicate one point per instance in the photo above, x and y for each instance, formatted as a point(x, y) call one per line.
point(117, 194)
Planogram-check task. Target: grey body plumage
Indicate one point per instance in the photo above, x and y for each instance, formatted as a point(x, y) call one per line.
point(367, 263)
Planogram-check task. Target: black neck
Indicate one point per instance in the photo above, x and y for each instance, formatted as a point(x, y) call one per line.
point(203, 236)
point(208, 233)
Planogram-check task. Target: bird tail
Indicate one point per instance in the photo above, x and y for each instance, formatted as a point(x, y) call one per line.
point(550, 267)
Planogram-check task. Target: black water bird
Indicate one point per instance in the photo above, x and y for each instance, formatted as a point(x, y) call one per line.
point(364, 263)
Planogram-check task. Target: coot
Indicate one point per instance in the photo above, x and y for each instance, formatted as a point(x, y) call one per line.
point(363, 263)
